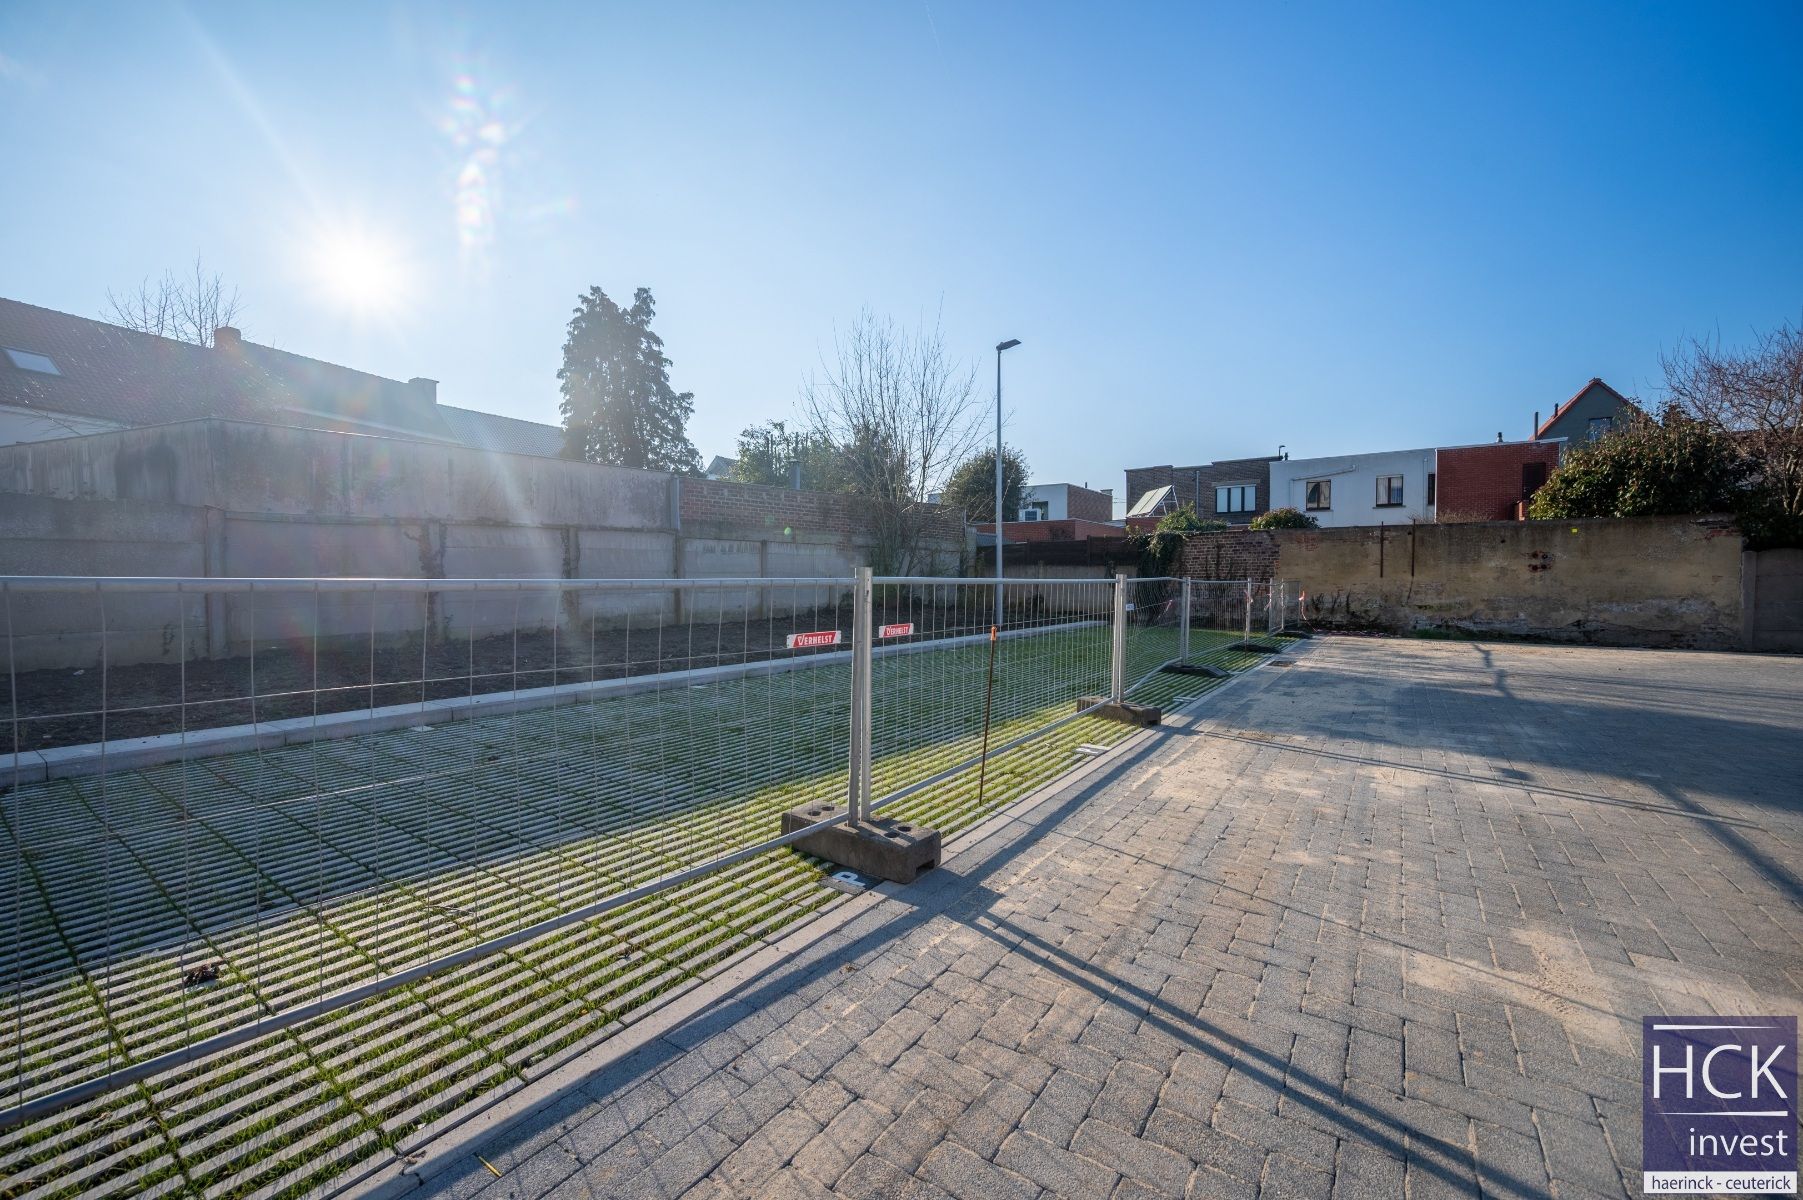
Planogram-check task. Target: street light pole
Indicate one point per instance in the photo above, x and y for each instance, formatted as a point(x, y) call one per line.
point(1000, 346)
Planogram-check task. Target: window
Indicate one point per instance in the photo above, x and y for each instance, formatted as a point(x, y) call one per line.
point(1533, 474)
point(1389, 491)
point(1035, 510)
point(1599, 426)
point(1430, 489)
point(25, 360)
point(1320, 495)
point(1236, 498)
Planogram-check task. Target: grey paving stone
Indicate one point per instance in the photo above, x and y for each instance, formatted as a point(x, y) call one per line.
point(1383, 923)
point(967, 1176)
point(847, 1136)
point(1053, 1167)
point(1148, 1163)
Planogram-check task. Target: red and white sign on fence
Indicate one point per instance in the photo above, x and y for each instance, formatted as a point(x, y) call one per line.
point(807, 641)
point(902, 630)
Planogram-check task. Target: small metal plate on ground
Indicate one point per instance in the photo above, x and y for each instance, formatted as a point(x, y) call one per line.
point(1090, 749)
point(848, 881)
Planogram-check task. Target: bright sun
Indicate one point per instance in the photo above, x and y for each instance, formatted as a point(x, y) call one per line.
point(360, 272)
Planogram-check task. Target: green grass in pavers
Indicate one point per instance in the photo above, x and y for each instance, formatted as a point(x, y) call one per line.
point(309, 868)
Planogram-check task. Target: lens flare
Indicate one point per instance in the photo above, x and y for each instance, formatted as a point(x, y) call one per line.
point(359, 271)
point(476, 124)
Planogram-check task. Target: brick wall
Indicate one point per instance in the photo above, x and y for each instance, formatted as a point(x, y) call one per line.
point(1051, 531)
point(1645, 581)
point(1233, 554)
point(1087, 504)
point(1196, 485)
point(755, 505)
point(1483, 483)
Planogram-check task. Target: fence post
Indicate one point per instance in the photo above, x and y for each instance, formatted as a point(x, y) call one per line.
point(1248, 635)
point(858, 785)
point(1183, 625)
point(1117, 683)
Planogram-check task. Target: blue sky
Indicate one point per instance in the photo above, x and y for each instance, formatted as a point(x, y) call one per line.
point(1216, 228)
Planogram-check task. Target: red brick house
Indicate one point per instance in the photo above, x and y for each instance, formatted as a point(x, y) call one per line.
point(1487, 482)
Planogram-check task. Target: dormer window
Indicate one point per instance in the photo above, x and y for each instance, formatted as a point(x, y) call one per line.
point(25, 360)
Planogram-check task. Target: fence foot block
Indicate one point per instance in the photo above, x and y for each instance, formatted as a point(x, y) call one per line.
point(1188, 668)
point(883, 847)
point(1255, 648)
point(1125, 712)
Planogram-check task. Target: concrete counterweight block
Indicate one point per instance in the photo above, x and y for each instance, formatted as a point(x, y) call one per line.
point(1126, 712)
point(1205, 670)
point(882, 847)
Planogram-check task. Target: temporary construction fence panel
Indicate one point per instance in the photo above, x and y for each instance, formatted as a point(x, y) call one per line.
point(344, 787)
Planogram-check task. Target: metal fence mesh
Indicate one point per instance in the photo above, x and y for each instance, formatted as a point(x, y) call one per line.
point(598, 738)
point(236, 806)
point(937, 674)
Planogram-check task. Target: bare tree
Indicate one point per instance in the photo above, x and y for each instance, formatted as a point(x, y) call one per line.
point(1755, 395)
point(179, 307)
point(902, 414)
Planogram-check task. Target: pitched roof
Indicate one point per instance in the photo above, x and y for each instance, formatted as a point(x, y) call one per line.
point(109, 373)
point(113, 374)
point(1595, 382)
point(510, 435)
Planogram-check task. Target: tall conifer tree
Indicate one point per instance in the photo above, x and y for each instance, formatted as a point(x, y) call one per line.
point(618, 406)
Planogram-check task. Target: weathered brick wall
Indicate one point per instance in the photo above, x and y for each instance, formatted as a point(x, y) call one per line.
point(1483, 483)
point(1652, 581)
point(1233, 554)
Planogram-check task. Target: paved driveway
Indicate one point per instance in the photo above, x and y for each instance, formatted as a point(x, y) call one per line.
point(1382, 922)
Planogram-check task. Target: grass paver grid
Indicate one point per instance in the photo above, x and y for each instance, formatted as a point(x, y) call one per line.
point(366, 855)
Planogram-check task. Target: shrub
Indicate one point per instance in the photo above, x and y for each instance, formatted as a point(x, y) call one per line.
point(1285, 518)
point(1158, 549)
point(1670, 466)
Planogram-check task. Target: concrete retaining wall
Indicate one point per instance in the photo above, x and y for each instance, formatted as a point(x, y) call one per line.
point(235, 499)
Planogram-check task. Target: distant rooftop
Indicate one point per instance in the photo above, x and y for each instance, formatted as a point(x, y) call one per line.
point(57, 363)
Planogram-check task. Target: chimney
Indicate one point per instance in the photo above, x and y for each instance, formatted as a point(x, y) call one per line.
point(795, 476)
point(1536, 432)
point(227, 337)
point(1499, 437)
point(427, 388)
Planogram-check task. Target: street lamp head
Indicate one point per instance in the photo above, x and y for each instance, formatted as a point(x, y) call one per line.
point(1010, 344)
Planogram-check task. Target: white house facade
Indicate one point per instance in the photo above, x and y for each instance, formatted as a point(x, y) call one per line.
point(1392, 487)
